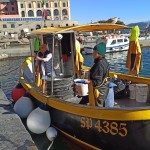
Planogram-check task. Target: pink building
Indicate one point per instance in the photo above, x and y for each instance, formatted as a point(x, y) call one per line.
point(8, 7)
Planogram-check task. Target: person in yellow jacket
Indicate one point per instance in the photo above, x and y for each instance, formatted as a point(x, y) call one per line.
point(133, 62)
point(79, 60)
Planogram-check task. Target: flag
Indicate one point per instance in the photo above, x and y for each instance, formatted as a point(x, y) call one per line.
point(44, 10)
point(44, 14)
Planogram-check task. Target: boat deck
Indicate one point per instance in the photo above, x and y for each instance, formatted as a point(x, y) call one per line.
point(126, 102)
point(119, 103)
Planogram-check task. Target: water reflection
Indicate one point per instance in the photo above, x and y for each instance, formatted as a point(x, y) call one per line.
point(116, 60)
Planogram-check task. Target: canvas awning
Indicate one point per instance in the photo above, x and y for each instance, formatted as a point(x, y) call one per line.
point(82, 28)
point(98, 27)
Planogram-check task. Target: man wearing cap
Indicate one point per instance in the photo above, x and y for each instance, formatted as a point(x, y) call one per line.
point(99, 72)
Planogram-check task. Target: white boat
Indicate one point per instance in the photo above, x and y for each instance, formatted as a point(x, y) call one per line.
point(114, 43)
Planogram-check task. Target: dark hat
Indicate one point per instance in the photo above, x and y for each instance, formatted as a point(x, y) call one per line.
point(100, 48)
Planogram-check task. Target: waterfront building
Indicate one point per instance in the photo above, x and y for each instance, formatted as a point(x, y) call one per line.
point(18, 14)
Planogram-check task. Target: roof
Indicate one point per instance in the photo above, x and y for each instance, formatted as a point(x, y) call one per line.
point(98, 27)
point(49, 30)
point(83, 28)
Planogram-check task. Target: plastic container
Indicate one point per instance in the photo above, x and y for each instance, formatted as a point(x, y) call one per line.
point(132, 89)
point(81, 89)
point(141, 92)
point(109, 102)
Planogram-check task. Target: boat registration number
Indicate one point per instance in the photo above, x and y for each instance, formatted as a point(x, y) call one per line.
point(104, 126)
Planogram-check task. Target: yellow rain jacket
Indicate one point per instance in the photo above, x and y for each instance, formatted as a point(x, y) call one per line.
point(79, 59)
point(133, 62)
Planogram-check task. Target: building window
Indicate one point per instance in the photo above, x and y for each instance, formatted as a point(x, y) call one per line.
point(47, 5)
point(64, 4)
point(13, 9)
point(23, 14)
point(30, 13)
point(6, 9)
point(48, 13)
point(38, 5)
point(12, 3)
point(12, 26)
point(56, 18)
point(64, 12)
point(21, 5)
point(65, 18)
point(55, 4)
point(56, 12)
point(4, 26)
point(29, 5)
point(39, 13)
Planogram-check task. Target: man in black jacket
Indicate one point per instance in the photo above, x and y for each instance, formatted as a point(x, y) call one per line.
point(99, 72)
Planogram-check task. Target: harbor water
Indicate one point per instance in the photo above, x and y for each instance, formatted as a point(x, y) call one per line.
point(9, 76)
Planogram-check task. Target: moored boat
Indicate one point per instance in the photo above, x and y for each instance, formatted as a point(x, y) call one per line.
point(114, 43)
point(124, 126)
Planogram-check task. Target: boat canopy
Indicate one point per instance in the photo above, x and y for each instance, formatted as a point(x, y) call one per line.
point(83, 28)
point(97, 27)
point(50, 30)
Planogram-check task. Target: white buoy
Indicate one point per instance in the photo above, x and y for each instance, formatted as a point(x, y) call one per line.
point(23, 107)
point(51, 134)
point(38, 120)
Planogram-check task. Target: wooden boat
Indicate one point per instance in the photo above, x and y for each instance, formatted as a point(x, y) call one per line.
point(126, 126)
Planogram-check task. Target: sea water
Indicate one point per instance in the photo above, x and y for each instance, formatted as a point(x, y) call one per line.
point(118, 60)
point(9, 76)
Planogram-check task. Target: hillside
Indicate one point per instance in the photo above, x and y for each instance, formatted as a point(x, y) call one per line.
point(141, 25)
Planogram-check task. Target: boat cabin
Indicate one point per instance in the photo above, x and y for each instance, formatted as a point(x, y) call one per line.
point(63, 49)
point(115, 42)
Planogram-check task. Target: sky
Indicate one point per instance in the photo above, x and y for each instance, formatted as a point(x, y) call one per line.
point(129, 11)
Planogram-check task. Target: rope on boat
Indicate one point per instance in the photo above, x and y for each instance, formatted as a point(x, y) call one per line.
point(50, 145)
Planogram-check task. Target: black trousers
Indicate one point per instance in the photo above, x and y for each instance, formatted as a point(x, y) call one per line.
point(103, 89)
